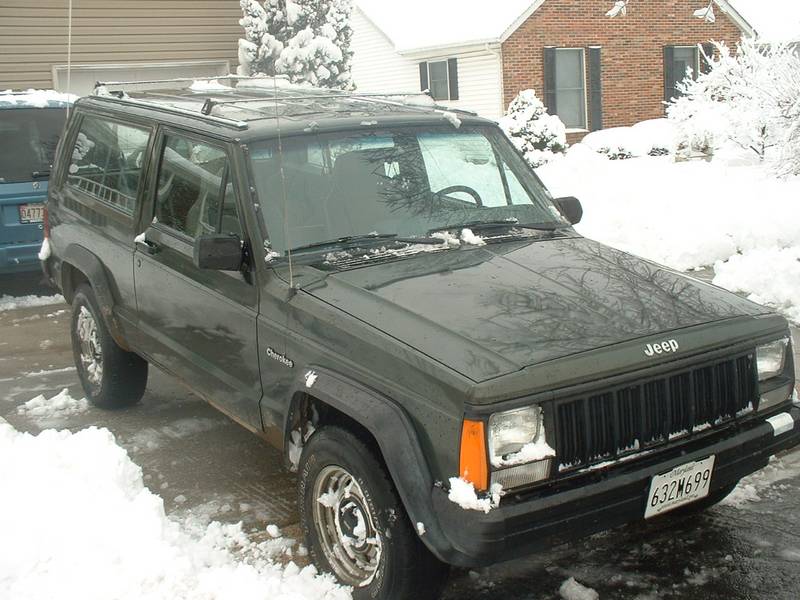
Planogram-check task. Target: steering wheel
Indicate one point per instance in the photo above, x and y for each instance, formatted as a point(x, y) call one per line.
point(462, 188)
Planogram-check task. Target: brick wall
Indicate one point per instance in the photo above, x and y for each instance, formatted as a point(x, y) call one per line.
point(632, 54)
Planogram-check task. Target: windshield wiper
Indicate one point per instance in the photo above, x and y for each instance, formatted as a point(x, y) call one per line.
point(38, 174)
point(510, 223)
point(353, 241)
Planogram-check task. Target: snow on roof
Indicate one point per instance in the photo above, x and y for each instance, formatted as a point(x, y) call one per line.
point(421, 24)
point(35, 99)
point(773, 20)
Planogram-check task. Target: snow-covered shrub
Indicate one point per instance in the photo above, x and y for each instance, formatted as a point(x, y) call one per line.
point(307, 40)
point(654, 137)
point(733, 103)
point(538, 135)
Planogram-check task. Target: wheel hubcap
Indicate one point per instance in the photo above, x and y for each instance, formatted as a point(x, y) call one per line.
point(91, 351)
point(346, 527)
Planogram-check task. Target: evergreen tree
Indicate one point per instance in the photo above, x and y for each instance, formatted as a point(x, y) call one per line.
point(307, 40)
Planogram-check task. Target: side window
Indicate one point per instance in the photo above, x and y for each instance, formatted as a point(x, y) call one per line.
point(107, 162)
point(194, 195)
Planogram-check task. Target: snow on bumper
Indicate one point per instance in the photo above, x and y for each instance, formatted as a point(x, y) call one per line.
point(588, 503)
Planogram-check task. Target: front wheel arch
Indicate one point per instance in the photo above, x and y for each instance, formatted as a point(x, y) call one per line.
point(387, 426)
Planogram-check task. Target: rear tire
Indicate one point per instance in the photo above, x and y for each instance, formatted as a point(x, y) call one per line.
point(111, 377)
point(383, 557)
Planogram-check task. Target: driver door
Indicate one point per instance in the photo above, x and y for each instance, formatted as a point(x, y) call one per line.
point(201, 323)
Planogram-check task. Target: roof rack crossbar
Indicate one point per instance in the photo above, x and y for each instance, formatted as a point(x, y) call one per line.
point(175, 110)
point(230, 76)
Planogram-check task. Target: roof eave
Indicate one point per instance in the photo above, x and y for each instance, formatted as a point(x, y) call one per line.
point(742, 23)
point(454, 48)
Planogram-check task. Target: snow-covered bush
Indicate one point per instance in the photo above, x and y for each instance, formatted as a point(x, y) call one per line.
point(307, 40)
point(655, 137)
point(538, 135)
point(734, 103)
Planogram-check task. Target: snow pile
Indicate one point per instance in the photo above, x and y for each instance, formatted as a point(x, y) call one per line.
point(45, 251)
point(36, 98)
point(572, 590)
point(537, 134)
point(772, 274)
point(778, 469)
point(209, 85)
point(536, 450)
point(78, 523)
point(14, 302)
point(655, 137)
point(60, 405)
point(463, 493)
point(690, 214)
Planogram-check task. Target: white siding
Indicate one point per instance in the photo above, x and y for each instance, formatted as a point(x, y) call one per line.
point(377, 67)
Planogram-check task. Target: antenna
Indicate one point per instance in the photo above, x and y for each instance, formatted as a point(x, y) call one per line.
point(69, 52)
point(283, 182)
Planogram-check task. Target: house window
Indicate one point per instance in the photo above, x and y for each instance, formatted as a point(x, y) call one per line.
point(440, 78)
point(570, 87)
point(679, 62)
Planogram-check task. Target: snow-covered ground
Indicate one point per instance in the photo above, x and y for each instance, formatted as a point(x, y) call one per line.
point(86, 527)
point(731, 214)
point(14, 302)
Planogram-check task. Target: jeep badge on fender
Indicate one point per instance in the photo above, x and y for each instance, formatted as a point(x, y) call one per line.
point(662, 348)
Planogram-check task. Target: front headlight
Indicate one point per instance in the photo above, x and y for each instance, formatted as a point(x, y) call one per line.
point(511, 430)
point(518, 448)
point(771, 358)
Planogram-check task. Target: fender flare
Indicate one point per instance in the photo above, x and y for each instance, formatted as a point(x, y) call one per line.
point(90, 265)
point(397, 440)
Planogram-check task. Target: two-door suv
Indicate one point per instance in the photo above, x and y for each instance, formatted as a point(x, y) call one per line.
point(387, 292)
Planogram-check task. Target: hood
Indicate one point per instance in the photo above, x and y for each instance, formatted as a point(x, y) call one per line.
point(494, 310)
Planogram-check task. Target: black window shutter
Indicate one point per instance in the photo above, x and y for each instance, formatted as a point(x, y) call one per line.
point(423, 76)
point(708, 50)
point(669, 73)
point(550, 80)
point(596, 89)
point(452, 77)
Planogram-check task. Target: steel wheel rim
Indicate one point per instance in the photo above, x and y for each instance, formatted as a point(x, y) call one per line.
point(91, 352)
point(346, 527)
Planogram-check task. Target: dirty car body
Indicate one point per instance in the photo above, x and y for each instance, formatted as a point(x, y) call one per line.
point(415, 281)
point(30, 126)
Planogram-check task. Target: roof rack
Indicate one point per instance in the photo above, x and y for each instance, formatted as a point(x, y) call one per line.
point(230, 76)
point(210, 103)
point(236, 124)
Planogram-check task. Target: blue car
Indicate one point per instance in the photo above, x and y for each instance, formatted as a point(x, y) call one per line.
point(30, 126)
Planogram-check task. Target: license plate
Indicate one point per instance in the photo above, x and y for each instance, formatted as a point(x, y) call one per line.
point(684, 484)
point(31, 213)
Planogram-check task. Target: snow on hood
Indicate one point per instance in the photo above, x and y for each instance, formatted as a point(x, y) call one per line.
point(445, 22)
point(36, 99)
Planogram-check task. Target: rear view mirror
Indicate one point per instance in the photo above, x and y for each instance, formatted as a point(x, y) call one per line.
point(571, 208)
point(220, 252)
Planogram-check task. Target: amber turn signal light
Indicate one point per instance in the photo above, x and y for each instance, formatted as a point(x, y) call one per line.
point(473, 466)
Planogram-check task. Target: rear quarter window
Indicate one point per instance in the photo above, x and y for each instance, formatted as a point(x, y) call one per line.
point(106, 161)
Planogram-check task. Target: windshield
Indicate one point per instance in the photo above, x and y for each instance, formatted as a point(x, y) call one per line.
point(30, 136)
point(406, 181)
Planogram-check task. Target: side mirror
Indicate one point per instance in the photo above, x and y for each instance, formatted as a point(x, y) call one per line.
point(571, 208)
point(220, 252)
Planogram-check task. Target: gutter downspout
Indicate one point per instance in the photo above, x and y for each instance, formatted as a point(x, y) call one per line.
point(498, 54)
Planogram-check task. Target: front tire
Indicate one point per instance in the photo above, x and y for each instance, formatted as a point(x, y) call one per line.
point(111, 377)
point(355, 525)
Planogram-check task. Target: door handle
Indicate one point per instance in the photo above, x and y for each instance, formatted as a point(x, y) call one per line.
point(147, 247)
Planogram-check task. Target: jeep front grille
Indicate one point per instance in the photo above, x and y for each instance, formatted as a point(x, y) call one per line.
point(639, 415)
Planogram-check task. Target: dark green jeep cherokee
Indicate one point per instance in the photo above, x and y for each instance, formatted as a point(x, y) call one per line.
point(387, 292)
